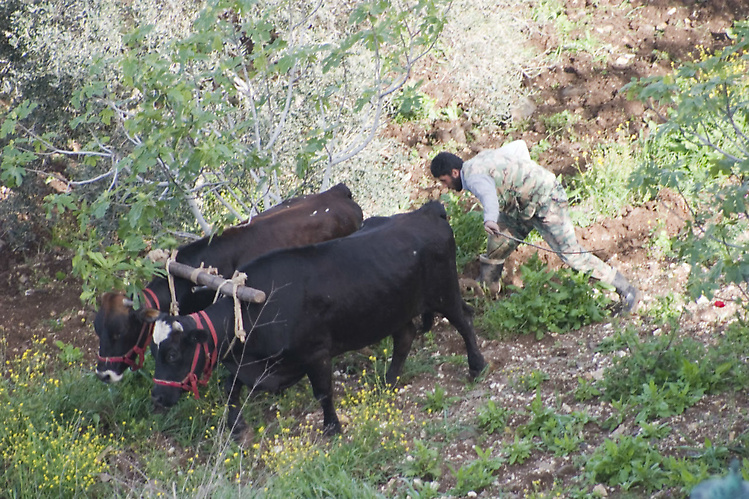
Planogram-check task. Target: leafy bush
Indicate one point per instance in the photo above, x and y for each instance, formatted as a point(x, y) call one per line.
point(468, 226)
point(529, 382)
point(628, 462)
point(519, 450)
point(559, 433)
point(492, 418)
point(424, 462)
point(585, 390)
point(437, 400)
point(702, 151)
point(635, 463)
point(556, 301)
point(204, 126)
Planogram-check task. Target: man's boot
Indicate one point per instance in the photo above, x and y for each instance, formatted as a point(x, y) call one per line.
point(628, 294)
point(490, 274)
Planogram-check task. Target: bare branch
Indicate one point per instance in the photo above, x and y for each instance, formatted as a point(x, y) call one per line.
point(53, 149)
point(284, 114)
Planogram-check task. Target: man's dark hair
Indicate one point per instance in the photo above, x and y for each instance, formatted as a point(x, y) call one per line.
point(444, 163)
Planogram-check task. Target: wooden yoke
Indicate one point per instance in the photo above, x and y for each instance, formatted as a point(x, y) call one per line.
point(215, 282)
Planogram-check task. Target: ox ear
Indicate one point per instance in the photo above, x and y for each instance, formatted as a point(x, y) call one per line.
point(149, 315)
point(197, 336)
point(114, 300)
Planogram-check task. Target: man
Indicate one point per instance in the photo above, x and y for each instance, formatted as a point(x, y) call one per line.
point(518, 195)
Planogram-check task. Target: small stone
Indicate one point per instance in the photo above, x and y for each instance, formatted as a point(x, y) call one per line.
point(600, 491)
point(624, 61)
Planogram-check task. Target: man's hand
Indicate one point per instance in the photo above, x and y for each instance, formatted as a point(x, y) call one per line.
point(491, 228)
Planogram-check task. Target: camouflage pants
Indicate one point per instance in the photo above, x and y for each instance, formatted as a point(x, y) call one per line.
point(555, 226)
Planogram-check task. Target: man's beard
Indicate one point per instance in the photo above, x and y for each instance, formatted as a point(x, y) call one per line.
point(456, 183)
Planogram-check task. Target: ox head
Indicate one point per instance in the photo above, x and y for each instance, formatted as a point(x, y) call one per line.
point(185, 356)
point(124, 334)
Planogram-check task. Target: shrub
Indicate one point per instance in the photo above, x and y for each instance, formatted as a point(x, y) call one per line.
point(199, 127)
point(701, 151)
point(559, 433)
point(423, 462)
point(628, 462)
point(468, 227)
point(492, 418)
point(476, 475)
point(557, 301)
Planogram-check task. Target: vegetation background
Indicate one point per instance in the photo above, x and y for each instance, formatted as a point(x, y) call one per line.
point(137, 124)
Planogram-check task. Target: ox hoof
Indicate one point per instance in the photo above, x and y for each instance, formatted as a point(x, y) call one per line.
point(478, 374)
point(332, 429)
point(157, 408)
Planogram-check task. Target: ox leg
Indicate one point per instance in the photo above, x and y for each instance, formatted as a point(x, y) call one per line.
point(402, 341)
point(320, 374)
point(461, 317)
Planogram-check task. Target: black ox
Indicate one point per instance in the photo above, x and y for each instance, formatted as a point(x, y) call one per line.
point(124, 335)
point(323, 300)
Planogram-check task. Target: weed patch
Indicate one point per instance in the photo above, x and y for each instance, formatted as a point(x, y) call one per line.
point(43, 450)
point(556, 301)
point(663, 375)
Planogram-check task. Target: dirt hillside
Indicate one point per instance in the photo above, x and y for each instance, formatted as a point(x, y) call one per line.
point(39, 298)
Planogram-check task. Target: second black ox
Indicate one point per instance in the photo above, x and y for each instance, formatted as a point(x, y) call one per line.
point(323, 300)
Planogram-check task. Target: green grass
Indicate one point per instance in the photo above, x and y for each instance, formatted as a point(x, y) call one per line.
point(552, 12)
point(60, 418)
point(602, 188)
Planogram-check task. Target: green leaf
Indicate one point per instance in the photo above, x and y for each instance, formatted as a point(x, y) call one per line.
point(100, 207)
point(135, 213)
point(8, 127)
point(106, 115)
point(97, 258)
point(25, 109)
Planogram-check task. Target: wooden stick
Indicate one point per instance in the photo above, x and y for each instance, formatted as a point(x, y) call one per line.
point(215, 282)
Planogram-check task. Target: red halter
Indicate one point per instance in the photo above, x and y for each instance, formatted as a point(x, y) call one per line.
point(136, 355)
point(191, 381)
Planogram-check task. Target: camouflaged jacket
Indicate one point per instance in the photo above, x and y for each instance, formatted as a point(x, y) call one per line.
point(508, 180)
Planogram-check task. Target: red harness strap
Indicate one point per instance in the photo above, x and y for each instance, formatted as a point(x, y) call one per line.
point(144, 338)
point(191, 381)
